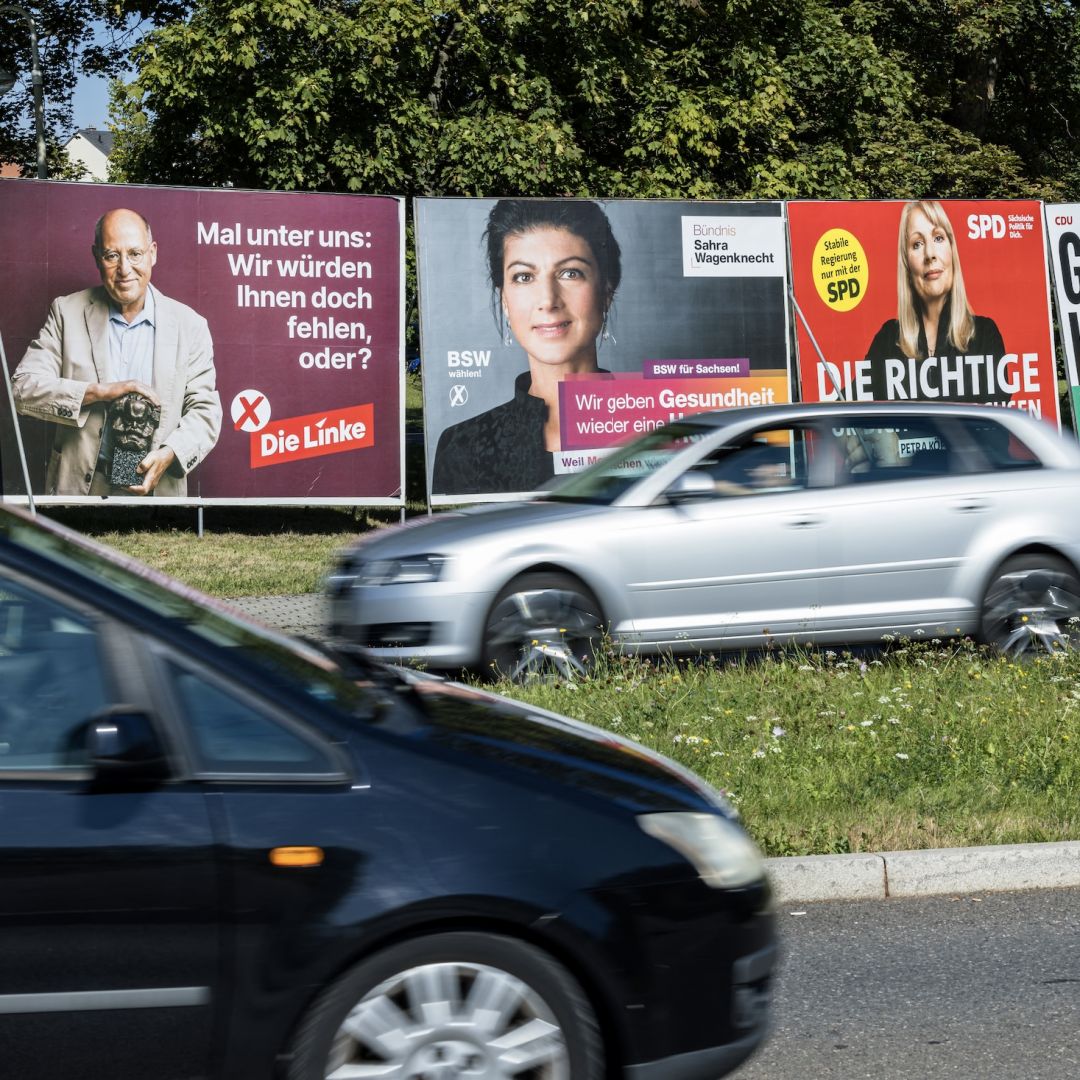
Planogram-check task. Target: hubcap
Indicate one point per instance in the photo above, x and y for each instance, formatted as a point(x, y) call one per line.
point(542, 631)
point(1032, 611)
point(454, 1021)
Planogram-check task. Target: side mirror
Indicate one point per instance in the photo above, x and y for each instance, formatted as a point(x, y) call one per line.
point(692, 484)
point(123, 745)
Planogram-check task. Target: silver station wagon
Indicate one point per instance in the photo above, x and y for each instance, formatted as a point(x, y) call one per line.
point(816, 524)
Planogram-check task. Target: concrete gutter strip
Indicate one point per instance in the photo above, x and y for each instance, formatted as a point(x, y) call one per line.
point(872, 876)
point(932, 872)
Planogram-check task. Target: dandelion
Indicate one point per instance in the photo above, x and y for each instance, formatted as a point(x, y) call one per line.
point(778, 732)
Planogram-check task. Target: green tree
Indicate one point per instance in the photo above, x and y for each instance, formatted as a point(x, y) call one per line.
point(92, 37)
point(643, 98)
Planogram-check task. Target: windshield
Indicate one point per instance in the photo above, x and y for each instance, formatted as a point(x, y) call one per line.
point(605, 481)
point(286, 662)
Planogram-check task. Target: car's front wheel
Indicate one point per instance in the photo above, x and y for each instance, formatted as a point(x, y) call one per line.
point(452, 1006)
point(1032, 607)
point(541, 624)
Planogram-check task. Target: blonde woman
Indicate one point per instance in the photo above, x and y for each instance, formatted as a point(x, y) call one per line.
point(934, 319)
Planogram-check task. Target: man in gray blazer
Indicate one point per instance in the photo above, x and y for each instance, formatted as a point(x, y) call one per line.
point(121, 337)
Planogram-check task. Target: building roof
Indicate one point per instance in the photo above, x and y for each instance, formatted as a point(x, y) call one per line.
point(101, 140)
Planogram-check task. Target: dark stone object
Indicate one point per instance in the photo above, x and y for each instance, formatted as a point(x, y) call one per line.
point(133, 420)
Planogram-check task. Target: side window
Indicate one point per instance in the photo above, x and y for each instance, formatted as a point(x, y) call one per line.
point(232, 735)
point(998, 447)
point(769, 462)
point(51, 682)
point(916, 447)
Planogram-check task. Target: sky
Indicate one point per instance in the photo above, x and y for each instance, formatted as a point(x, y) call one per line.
point(91, 103)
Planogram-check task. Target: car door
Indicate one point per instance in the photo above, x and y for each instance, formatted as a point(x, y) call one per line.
point(736, 553)
point(108, 897)
point(910, 505)
point(284, 798)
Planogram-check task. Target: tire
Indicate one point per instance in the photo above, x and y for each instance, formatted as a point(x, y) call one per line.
point(1031, 607)
point(543, 624)
point(446, 1006)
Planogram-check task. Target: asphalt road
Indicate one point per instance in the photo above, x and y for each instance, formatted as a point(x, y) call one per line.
point(976, 987)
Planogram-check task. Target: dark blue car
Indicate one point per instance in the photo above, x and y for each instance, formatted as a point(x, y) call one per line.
point(229, 853)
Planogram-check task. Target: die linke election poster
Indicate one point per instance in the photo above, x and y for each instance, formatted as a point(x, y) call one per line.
point(1063, 233)
point(267, 327)
point(931, 301)
point(555, 330)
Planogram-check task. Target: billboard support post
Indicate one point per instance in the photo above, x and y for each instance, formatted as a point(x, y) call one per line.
point(15, 425)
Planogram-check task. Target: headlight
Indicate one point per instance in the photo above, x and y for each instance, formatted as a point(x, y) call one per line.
point(405, 571)
point(724, 856)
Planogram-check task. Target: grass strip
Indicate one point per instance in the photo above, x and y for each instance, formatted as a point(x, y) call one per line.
point(929, 745)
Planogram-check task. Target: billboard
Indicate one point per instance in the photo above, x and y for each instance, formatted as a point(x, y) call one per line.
point(275, 349)
point(1063, 233)
point(554, 330)
point(923, 301)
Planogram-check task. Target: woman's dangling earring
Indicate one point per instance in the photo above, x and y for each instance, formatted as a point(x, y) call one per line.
point(606, 334)
point(507, 338)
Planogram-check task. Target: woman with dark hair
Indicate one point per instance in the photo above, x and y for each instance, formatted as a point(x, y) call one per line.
point(554, 268)
point(934, 317)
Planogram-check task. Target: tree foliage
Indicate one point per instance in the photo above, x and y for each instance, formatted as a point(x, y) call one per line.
point(91, 37)
point(642, 98)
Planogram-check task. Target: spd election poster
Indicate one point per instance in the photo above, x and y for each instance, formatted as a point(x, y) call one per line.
point(929, 301)
point(554, 330)
point(272, 339)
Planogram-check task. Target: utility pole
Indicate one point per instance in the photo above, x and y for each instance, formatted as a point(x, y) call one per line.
point(7, 81)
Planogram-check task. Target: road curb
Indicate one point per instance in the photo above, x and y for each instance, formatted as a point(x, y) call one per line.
point(930, 872)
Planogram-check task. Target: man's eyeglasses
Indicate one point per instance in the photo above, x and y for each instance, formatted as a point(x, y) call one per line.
point(135, 257)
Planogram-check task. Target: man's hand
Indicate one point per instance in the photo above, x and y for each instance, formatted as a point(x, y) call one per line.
point(105, 392)
point(151, 469)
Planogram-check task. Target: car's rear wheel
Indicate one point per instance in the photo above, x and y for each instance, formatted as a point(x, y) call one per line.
point(453, 1006)
point(541, 624)
point(1032, 607)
